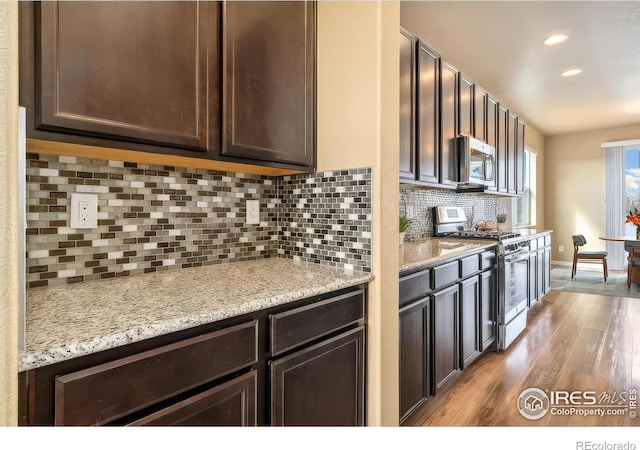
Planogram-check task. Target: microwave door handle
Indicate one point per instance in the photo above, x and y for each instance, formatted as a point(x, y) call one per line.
point(487, 167)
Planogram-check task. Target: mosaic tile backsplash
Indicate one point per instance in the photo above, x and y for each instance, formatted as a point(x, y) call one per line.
point(153, 218)
point(476, 207)
point(327, 218)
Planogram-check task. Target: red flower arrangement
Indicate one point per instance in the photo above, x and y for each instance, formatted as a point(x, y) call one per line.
point(634, 218)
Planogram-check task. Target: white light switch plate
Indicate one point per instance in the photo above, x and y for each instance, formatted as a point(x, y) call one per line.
point(84, 211)
point(253, 212)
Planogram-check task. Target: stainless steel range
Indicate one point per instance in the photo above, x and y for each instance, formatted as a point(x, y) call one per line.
point(513, 269)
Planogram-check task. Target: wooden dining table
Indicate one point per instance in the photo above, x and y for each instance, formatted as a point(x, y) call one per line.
point(617, 238)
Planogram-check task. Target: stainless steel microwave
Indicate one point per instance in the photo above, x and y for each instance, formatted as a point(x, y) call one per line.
point(476, 160)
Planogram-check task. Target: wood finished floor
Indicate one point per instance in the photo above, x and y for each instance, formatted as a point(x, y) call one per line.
point(573, 341)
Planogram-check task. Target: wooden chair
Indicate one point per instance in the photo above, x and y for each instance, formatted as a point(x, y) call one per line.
point(633, 264)
point(579, 241)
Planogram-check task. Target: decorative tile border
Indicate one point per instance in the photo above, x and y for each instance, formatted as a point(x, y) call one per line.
point(325, 218)
point(153, 218)
point(476, 207)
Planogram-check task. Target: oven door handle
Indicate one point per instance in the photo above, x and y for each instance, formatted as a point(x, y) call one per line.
point(520, 255)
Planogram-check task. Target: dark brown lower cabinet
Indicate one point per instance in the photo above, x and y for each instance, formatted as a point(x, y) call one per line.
point(415, 356)
point(229, 404)
point(546, 264)
point(310, 354)
point(445, 335)
point(540, 274)
point(488, 307)
point(532, 297)
point(322, 384)
point(470, 345)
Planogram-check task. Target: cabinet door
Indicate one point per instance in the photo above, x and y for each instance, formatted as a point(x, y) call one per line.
point(233, 403)
point(407, 106)
point(269, 81)
point(448, 124)
point(465, 105)
point(519, 156)
point(488, 308)
point(512, 164)
point(492, 135)
point(547, 270)
point(427, 115)
point(445, 335)
point(540, 281)
point(133, 71)
point(501, 148)
point(532, 298)
point(470, 321)
point(322, 384)
point(480, 113)
point(415, 356)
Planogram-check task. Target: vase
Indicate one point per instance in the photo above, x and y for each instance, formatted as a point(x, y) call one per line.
point(402, 237)
point(502, 226)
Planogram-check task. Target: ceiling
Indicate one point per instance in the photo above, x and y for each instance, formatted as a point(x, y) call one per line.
point(500, 46)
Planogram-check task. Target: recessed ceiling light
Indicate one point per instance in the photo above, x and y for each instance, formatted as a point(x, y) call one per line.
point(570, 73)
point(556, 39)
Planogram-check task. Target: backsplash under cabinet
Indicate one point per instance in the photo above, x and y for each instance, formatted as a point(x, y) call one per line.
point(153, 218)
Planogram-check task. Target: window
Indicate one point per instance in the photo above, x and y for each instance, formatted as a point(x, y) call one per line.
point(525, 205)
point(632, 186)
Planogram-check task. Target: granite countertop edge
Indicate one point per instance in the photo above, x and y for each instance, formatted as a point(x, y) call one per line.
point(337, 280)
point(468, 247)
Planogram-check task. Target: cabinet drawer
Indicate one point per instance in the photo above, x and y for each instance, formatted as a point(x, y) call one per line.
point(297, 326)
point(540, 242)
point(111, 390)
point(414, 286)
point(469, 266)
point(230, 404)
point(547, 240)
point(533, 244)
point(487, 260)
point(445, 274)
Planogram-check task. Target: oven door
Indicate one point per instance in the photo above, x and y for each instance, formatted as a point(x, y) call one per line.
point(512, 295)
point(516, 271)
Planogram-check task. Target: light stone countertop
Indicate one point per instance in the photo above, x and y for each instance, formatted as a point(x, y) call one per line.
point(427, 251)
point(68, 321)
point(414, 255)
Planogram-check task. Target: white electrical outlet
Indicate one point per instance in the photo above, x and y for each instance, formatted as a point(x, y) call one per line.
point(84, 211)
point(410, 212)
point(253, 212)
point(561, 248)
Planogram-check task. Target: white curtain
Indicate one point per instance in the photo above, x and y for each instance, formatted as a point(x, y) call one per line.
point(615, 204)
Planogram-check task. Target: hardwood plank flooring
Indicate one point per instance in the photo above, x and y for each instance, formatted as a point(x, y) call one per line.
point(573, 342)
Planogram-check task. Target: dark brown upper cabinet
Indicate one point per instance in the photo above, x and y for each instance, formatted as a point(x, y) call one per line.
point(465, 105)
point(519, 156)
point(492, 135)
point(427, 115)
point(268, 73)
point(480, 113)
point(501, 148)
point(512, 141)
point(448, 123)
point(133, 71)
point(407, 106)
point(164, 77)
